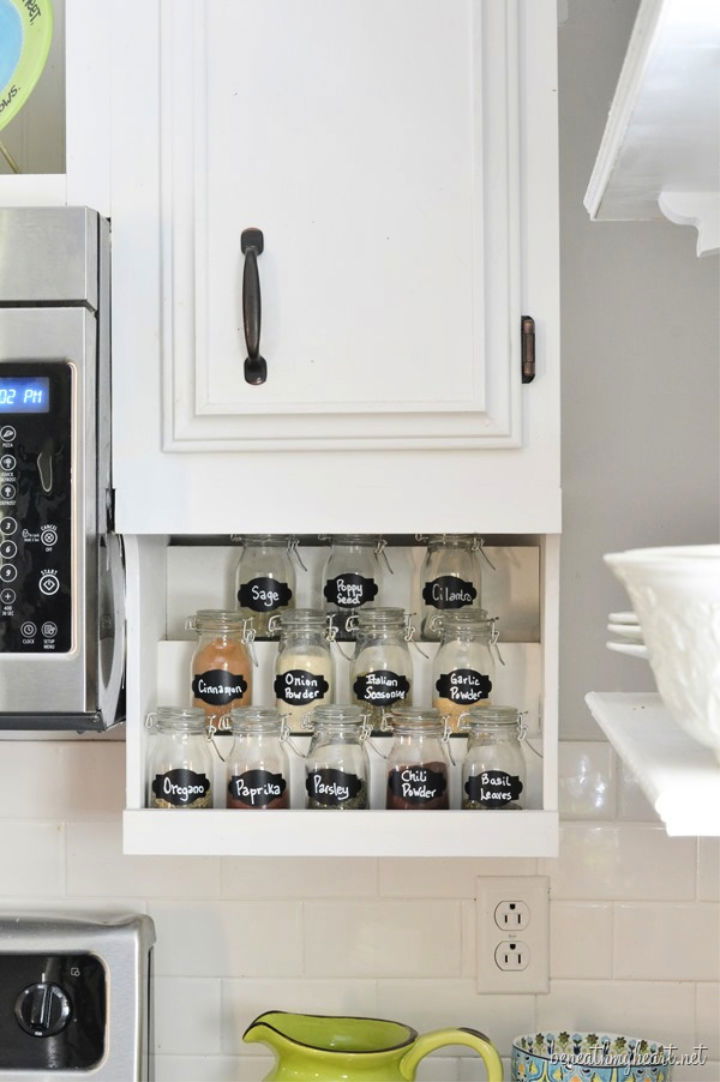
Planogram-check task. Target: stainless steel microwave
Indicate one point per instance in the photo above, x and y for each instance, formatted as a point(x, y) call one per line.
point(62, 636)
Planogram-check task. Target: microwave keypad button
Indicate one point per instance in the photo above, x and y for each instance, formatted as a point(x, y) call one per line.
point(49, 629)
point(7, 433)
point(48, 537)
point(8, 573)
point(8, 525)
point(49, 583)
point(28, 630)
point(7, 596)
point(8, 463)
point(45, 470)
point(8, 550)
point(8, 491)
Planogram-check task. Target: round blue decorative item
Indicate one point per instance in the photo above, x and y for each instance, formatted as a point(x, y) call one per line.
point(588, 1057)
point(26, 28)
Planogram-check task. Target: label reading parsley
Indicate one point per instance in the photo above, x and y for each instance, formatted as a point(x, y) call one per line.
point(449, 592)
point(264, 595)
point(381, 688)
point(330, 788)
point(298, 687)
point(465, 686)
point(492, 789)
point(350, 591)
point(181, 789)
point(257, 789)
point(218, 687)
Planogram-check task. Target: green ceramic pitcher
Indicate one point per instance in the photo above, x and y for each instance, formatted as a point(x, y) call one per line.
point(323, 1048)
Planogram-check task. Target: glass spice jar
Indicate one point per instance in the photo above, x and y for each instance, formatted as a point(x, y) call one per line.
point(180, 765)
point(382, 672)
point(304, 669)
point(257, 765)
point(221, 669)
point(493, 774)
point(418, 764)
point(449, 578)
point(336, 765)
point(351, 578)
point(464, 666)
point(264, 579)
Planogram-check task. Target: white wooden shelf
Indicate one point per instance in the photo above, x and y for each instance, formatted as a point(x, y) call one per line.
point(680, 777)
point(660, 152)
point(342, 834)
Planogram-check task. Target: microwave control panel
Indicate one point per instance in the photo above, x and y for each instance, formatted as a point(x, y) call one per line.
point(35, 507)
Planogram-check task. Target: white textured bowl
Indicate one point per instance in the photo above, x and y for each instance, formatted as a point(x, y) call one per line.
point(676, 595)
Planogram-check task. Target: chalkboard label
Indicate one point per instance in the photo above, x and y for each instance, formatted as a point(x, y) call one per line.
point(464, 686)
point(298, 686)
point(257, 789)
point(416, 786)
point(181, 788)
point(332, 788)
point(350, 591)
point(381, 688)
point(264, 595)
point(493, 789)
point(218, 687)
point(449, 592)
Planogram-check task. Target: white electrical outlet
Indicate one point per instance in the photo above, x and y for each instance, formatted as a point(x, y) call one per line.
point(513, 932)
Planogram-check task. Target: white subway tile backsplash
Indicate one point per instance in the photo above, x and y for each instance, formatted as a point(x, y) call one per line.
point(211, 1068)
point(32, 859)
point(96, 865)
point(298, 877)
point(707, 1008)
point(244, 1000)
point(187, 1015)
point(666, 942)
point(702, 1072)
point(382, 939)
point(62, 780)
point(228, 939)
point(651, 1009)
point(437, 1068)
point(621, 861)
point(581, 940)
point(417, 878)
point(468, 931)
point(586, 784)
point(708, 870)
point(632, 804)
point(472, 1070)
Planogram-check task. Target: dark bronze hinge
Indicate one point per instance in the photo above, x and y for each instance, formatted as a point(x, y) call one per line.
point(527, 348)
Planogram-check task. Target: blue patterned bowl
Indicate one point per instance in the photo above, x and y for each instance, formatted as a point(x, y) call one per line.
point(588, 1057)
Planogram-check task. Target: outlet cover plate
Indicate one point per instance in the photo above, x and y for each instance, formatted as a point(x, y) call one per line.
point(534, 892)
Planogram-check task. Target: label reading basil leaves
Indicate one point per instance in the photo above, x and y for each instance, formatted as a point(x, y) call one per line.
point(463, 686)
point(264, 595)
point(381, 688)
point(257, 789)
point(218, 687)
point(181, 789)
point(330, 788)
point(449, 592)
point(493, 789)
point(298, 686)
point(350, 591)
point(414, 786)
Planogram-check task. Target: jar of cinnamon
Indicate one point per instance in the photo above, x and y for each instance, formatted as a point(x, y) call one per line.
point(221, 669)
point(418, 765)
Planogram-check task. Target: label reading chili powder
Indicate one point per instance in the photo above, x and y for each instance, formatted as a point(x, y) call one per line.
point(350, 591)
point(492, 789)
point(464, 686)
point(417, 786)
point(298, 686)
point(449, 592)
point(218, 687)
point(330, 788)
point(257, 789)
point(264, 595)
point(381, 688)
point(181, 789)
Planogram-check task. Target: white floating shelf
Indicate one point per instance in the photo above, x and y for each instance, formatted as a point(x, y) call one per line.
point(216, 832)
point(680, 777)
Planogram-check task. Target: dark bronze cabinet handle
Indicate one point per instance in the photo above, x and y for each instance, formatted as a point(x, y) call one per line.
point(252, 244)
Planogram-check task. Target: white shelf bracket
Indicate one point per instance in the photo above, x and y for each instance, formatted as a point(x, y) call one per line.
point(699, 209)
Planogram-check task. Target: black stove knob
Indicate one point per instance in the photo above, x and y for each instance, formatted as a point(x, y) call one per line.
point(43, 1010)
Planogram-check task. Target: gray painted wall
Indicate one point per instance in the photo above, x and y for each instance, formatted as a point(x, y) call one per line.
point(640, 377)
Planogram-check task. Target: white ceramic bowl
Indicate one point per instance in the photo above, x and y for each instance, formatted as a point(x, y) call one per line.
point(676, 595)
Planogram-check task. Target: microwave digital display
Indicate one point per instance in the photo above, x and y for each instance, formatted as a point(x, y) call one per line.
point(24, 394)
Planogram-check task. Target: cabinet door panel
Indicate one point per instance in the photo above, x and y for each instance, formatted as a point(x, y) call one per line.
point(373, 142)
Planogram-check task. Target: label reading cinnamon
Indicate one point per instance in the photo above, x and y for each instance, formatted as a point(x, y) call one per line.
point(181, 789)
point(350, 591)
point(217, 687)
point(493, 789)
point(298, 687)
point(449, 592)
point(417, 786)
point(381, 688)
point(257, 789)
point(264, 594)
point(331, 788)
point(464, 686)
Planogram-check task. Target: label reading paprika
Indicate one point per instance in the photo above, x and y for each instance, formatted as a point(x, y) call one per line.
point(257, 789)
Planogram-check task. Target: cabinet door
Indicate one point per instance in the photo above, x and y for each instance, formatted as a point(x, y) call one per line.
point(375, 144)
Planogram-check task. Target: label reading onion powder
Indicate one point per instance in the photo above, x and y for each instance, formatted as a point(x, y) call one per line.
point(298, 687)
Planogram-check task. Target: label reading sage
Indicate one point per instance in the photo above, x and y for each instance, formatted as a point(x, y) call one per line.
point(350, 591)
point(298, 687)
point(464, 686)
point(257, 789)
point(264, 595)
point(181, 789)
point(381, 688)
point(492, 789)
point(449, 592)
point(217, 687)
point(331, 788)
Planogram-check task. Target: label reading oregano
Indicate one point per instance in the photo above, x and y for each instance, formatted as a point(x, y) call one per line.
point(298, 687)
point(381, 688)
point(331, 788)
point(464, 686)
point(218, 687)
point(257, 789)
point(181, 789)
point(350, 591)
point(449, 592)
point(264, 594)
point(492, 789)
